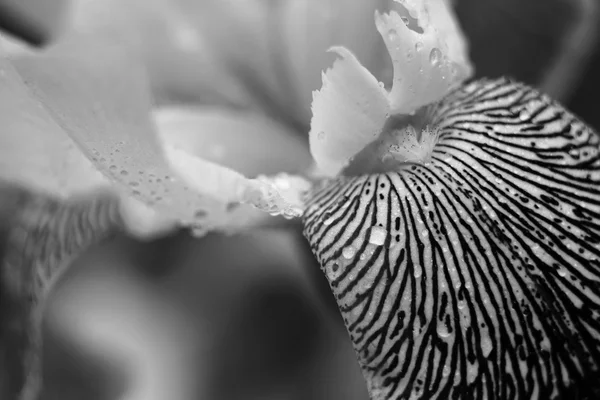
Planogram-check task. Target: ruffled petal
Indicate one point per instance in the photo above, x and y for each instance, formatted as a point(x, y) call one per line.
point(348, 113)
point(311, 27)
point(428, 53)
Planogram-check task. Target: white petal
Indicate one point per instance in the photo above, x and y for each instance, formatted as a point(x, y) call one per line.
point(34, 150)
point(428, 63)
point(246, 142)
point(348, 113)
point(98, 96)
point(310, 27)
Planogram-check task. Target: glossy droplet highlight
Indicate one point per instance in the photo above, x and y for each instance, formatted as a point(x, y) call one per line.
point(377, 236)
point(349, 252)
point(417, 271)
point(435, 57)
point(419, 46)
point(486, 346)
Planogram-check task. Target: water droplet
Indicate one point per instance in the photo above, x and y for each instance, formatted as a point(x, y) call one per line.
point(524, 115)
point(574, 153)
point(378, 236)
point(124, 173)
point(446, 371)
point(442, 331)
point(435, 57)
point(461, 305)
point(392, 34)
point(112, 167)
point(409, 54)
point(417, 271)
point(419, 46)
point(349, 252)
point(486, 346)
point(405, 20)
point(134, 184)
point(562, 272)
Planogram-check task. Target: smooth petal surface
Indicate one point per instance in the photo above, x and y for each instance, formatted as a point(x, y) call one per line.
point(182, 64)
point(34, 150)
point(348, 113)
point(476, 276)
point(100, 98)
point(246, 142)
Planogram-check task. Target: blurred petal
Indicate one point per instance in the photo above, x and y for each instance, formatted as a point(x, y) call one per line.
point(98, 94)
point(182, 64)
point(526, 39)
point(34, 150)
point(348, 113)
point(116, 319)
point(35, 21)
point(246, 142)
point(311, 27)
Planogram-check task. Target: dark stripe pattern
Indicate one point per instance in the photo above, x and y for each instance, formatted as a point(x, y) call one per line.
point(477, 275)
point(39, 237)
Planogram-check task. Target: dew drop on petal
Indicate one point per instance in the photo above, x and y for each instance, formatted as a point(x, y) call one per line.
point(442, 331)
point(446, 371)
point(486, 346)
point(417, 271)
point(435, 57)
point(349, 252)
point(378, 236)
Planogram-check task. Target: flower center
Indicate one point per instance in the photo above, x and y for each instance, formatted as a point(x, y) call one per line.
point(404, 140)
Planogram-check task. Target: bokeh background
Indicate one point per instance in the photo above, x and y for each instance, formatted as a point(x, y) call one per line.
point(249, 316)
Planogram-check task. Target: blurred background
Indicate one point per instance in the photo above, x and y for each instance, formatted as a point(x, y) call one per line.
point(249, 316)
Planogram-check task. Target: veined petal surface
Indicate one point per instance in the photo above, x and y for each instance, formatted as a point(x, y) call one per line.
point(476, 276)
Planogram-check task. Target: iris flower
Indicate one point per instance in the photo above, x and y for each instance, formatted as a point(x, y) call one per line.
point(457, 221)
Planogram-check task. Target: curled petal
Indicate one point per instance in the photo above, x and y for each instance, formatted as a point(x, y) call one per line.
point(487, 256)
point(309, 28)
point(428, 53)
point(349, 112)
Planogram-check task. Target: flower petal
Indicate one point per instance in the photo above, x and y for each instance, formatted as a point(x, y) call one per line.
point(348, 113)
point(99, 96)
point(428, 53)
point(310, 27)
point(182, 64)
point(245, 142)
point(33, 149)
point(489, 256)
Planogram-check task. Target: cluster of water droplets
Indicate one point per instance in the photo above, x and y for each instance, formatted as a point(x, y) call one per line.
point(282, 194)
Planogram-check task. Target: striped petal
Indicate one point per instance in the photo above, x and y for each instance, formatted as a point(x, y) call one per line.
point(476, 276)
